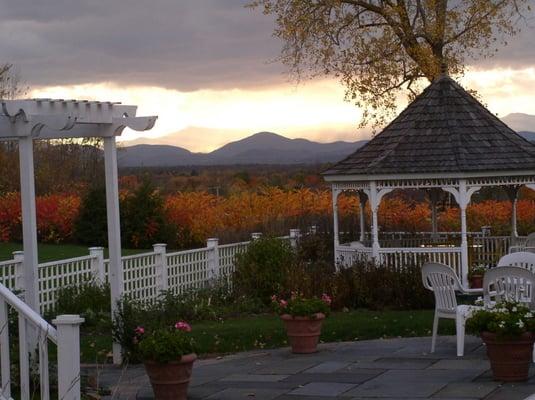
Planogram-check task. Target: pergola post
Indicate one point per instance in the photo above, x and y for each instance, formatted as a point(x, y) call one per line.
point(512, 193)
point(335, 194)
point(363, 199)
point(29, 221)
point(114, 230)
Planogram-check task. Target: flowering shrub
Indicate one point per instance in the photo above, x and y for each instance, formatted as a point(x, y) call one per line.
point(298, 306)
point(478, 270)
point(507, 319)
point(164, 345)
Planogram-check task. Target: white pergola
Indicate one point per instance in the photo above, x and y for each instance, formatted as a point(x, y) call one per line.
point(445, 140)
point(49, 119)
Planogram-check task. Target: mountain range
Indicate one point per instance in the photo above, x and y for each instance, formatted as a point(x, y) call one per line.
point(268, 148)
point(260, 148)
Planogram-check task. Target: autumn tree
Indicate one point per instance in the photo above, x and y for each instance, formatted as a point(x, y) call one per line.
point(380, 49)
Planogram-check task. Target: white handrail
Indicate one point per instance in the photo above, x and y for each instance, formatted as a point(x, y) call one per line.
point(29, 314)
point(34, 333)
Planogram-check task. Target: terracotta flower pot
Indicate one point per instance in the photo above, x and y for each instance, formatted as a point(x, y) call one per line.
point(509, 359)
point(476, 281)
point(303, 332)
point(170, 380)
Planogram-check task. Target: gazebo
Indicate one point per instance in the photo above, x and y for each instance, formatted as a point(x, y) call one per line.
point(444, 140)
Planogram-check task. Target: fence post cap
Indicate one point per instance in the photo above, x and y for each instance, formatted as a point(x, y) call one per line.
point(159, 245)
point(212, 241)
point(68, 319)
point(95, 249)
point(18, 253)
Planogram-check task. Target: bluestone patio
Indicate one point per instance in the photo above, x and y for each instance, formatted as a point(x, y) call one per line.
point(376, 369)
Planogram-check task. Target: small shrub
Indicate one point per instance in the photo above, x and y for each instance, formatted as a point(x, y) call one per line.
point(211, 303)
point(90, 299)
point(263, 269)
point(143, 221)
point(299, 306)
point(166, 344)
point(377, 287)
point(91, 226)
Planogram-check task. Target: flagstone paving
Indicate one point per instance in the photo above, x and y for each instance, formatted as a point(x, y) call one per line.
point(390, 369)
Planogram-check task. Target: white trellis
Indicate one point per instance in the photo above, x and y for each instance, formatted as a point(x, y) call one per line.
point(48, 119)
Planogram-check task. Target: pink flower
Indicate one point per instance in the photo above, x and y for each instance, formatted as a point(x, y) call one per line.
point(139, 330)
point(326, 299)
point(274, 298)
point(183, 326)
point(283, 303)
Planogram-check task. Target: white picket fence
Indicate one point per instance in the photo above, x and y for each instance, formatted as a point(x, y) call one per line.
point(145, 275)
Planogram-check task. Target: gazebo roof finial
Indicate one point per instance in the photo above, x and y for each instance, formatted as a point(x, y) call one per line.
point(443, 68)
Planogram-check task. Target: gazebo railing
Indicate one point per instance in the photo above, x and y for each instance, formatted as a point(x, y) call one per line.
point(400, 257)
point(419, 248)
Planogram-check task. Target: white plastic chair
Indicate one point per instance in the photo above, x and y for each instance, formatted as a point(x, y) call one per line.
point(443, 282)
point(509, 283)
point(522, 259)
point(527, 246)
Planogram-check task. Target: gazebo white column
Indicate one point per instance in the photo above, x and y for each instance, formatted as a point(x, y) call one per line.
point(362, 206)
point(374, 205)
point(512, 193)
point(335, 194)
point(375, 195)
point(463, 195)
point(434, 197)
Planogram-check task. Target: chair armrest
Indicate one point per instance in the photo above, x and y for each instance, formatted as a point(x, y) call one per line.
point(473, 292)
point(516, 248)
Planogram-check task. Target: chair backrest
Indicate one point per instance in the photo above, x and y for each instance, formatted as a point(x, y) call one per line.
point(443, 282)
point(530, 240)
point(522, 259)
point(509, 283)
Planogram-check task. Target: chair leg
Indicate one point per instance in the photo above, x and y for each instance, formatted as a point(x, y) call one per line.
point(459, 328)
point(435, 330)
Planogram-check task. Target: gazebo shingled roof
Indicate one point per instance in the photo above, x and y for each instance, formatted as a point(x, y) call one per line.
point(444, 130)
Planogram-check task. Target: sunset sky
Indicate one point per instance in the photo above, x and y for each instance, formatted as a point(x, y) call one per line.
point(205, 68)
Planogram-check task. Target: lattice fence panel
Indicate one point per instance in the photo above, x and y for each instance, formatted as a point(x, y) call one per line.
point(188, 270)
point(58, 274)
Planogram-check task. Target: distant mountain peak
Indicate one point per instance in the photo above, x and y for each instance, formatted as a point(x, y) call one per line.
point(259, 148)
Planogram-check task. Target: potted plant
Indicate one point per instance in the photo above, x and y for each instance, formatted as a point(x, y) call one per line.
point(507, 329)
point(168, 354)
point(303, 319)
point(475, 275)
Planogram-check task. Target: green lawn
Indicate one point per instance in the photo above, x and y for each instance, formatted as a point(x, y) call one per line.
point(52, 252)
point(266, 331)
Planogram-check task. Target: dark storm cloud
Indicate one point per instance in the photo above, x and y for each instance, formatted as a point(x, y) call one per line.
point(179, 44)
